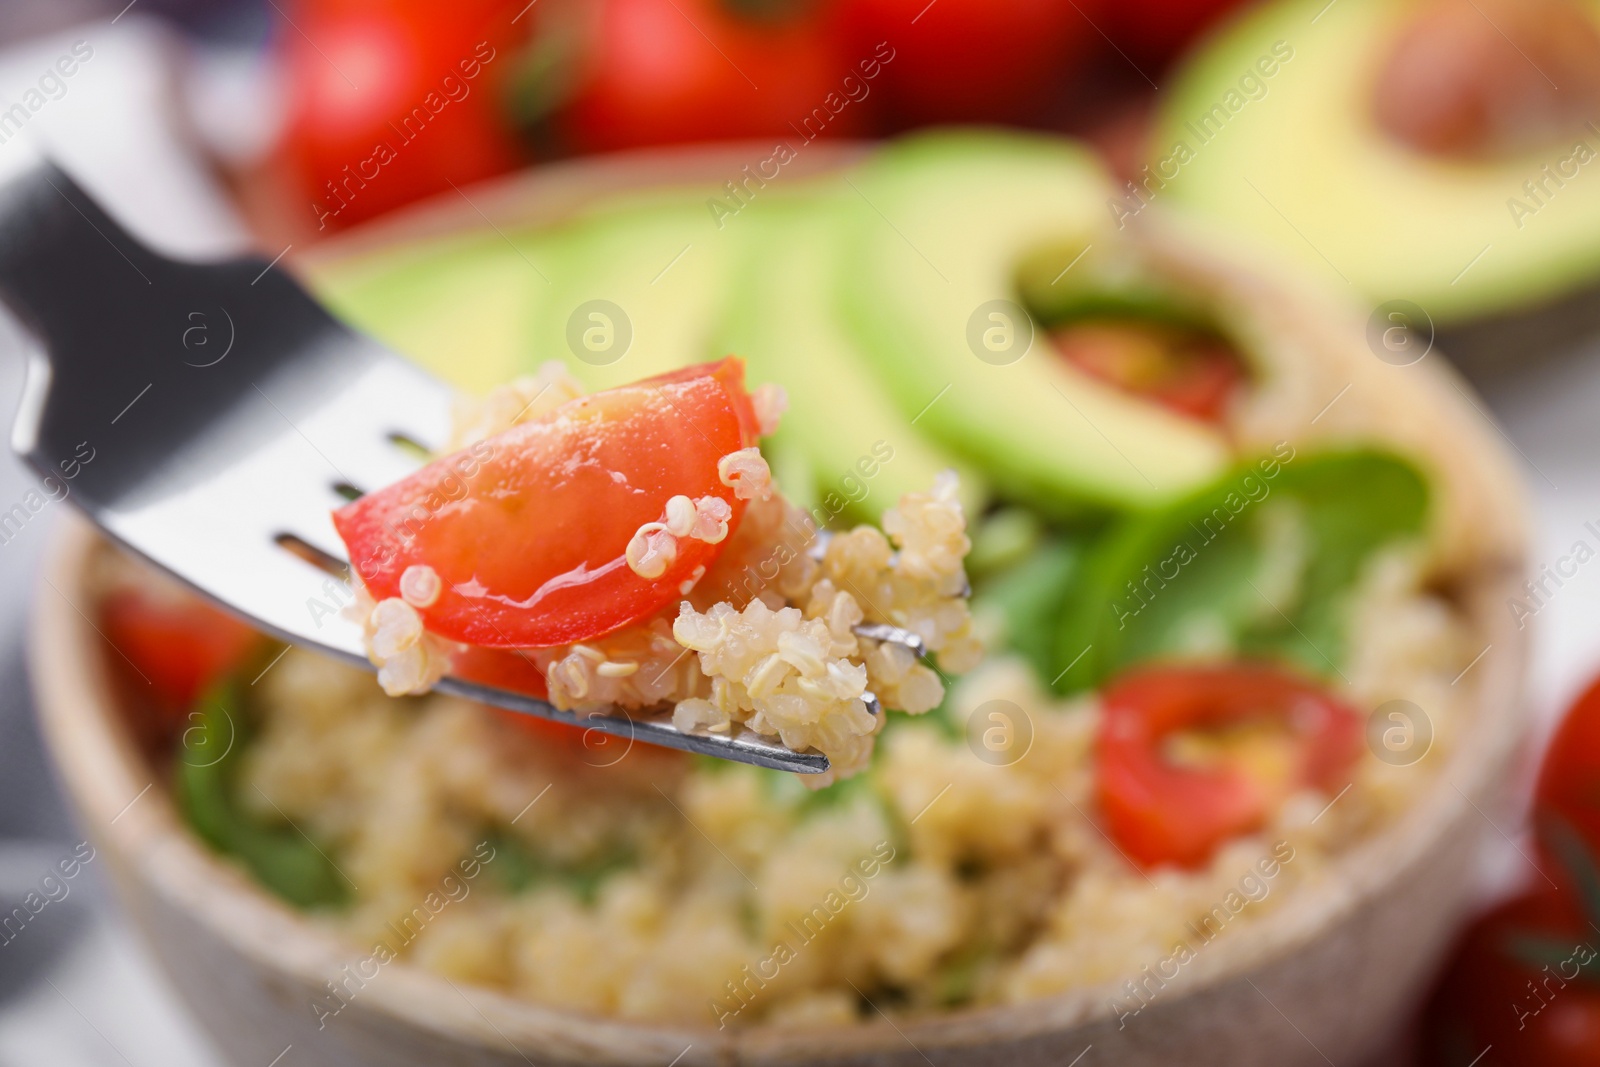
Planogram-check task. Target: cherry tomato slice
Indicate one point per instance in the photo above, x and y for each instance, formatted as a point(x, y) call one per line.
point(1161, 813)
point(176, 641)
point(1192, 374)
point(528, 529)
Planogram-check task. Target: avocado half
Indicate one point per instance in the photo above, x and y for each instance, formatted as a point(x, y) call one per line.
point(1269, 130)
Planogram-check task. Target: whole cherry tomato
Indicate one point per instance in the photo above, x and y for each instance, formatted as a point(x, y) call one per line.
point(393, 100)
point(1521, 989)
point(1154, 31)
point(969, 60)
point(1160, 811)
point(612, 74)
point(1569, 781)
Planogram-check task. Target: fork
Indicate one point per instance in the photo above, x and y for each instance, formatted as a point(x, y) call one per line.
point(225, 414)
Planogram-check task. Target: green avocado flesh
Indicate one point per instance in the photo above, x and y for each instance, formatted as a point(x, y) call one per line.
point(461, 306)
point(481, 310)
point(663, 264)
point(944, 225)
point(1294, 162)
point(819, 291)
point(861, 451)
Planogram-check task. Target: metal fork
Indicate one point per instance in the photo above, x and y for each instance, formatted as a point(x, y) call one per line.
point(210, 416)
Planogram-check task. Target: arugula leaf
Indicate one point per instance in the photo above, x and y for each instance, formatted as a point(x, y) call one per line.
point(1259, 564)
point(280, 857)
point(1028, 596)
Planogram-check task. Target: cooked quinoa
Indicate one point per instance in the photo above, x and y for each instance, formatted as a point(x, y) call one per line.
point(675, 889)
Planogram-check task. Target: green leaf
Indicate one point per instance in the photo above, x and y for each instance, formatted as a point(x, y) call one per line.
point(520, 866)
point(1259, 564)
point(1028, 596)
point(280, 857)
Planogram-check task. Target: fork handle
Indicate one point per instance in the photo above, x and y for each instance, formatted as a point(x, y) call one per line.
point(127, 363)
point(52, 232)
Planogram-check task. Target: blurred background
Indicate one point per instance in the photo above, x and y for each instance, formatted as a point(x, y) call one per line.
point(216, 126)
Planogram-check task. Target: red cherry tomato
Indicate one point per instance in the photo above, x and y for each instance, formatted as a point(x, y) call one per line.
point(626, 73)
point(1159, 812)
point(393, 100)
point(176, 641)
point(969, 60)
point(528, 529)
point(1520, 990)
point(1191, 374)
point(1569, 781)
point(1154, 31)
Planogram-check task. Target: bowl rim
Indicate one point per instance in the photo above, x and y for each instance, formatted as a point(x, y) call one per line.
point(113, 786)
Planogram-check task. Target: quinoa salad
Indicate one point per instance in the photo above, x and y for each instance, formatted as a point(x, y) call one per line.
point(1191, 569)
point(980, 853)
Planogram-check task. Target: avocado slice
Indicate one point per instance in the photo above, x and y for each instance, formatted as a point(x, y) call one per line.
point(948, 222)
point(1294, 161)
point(662, 263)
point(859, 452)
point(481, 308)
point(460, 306)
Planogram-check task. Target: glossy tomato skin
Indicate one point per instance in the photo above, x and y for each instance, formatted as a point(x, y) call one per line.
point(1524, 1013)
point(654, 72)
point(391, 101)
point(1155, 31)
point(528, 529)
point(1159, 813)
point(1569, 781)
point(176, 642)
point(969, 60)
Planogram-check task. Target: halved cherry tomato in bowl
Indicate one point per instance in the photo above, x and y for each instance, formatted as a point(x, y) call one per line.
point(177, 642)
point(1160, 811)
point(1191, 373)
point(528, 530)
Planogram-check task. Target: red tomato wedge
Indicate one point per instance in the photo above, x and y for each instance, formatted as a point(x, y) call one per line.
point(528, 529)
point(1160, 812)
